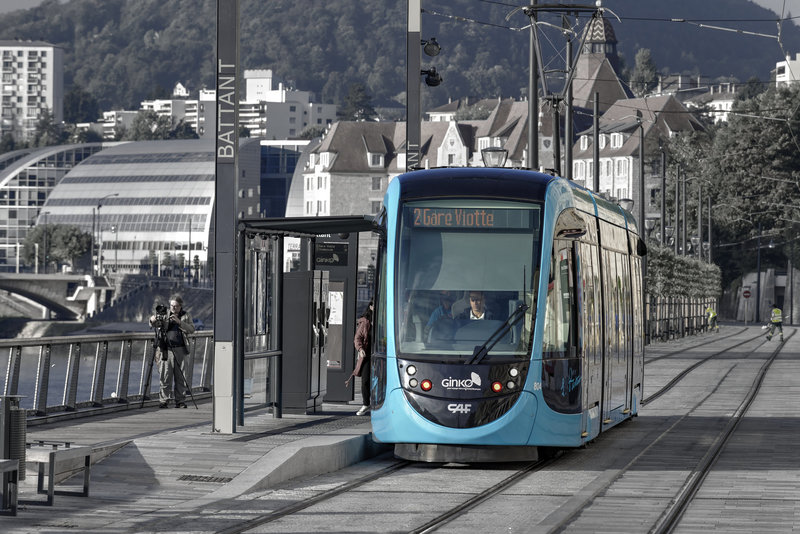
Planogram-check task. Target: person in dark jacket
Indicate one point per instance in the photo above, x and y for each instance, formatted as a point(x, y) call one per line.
point(477, 310)
point(173, 355)
point(363, 345)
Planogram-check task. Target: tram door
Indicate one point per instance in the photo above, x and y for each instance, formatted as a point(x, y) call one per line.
point(618, 329)
point(591, 335)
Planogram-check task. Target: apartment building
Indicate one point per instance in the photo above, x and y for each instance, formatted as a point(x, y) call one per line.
point(33, 85)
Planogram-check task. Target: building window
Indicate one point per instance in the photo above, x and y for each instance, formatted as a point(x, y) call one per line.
point(616, 140)
point(292, 108)
point(376, 183)
point(602, 141)
point(375, 206)
point(584, 142)
point(376, 160)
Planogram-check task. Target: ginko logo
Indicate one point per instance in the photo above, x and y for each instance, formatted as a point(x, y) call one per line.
point(473, 382)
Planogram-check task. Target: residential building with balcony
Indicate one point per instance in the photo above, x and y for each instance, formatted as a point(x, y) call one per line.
point(32, 86)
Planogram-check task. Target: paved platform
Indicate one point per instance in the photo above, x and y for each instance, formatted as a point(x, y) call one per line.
point(162, 462)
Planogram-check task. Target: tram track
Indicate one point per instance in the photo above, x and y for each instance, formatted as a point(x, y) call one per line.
point(680, 503)
point(668, 518)
point(680, 376)
point(682, 498)
point(317, 499)
point(715, 339)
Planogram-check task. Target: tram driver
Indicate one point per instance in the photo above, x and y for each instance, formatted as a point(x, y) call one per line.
point(477, 308)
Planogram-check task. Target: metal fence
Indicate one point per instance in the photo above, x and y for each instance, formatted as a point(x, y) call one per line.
point(59, 375)
point(672, 318)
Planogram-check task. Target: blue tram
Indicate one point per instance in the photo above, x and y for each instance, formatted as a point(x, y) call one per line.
point(508, 315)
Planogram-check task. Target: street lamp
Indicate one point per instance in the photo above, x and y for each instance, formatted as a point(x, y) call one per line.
point(494, 156)
point(116, 248)
point(46, 250)
point(99, 232)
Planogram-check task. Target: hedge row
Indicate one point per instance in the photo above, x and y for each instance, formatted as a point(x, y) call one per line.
point(670, 275)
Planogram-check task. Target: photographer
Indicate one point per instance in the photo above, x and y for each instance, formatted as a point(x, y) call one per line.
point(173, 348)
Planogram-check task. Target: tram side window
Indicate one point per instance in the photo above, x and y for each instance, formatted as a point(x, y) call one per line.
point(560, 330)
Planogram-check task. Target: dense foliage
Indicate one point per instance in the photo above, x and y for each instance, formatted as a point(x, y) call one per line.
point(750, 168)
point(674, 276)
point(123, 51)
point(62, 243)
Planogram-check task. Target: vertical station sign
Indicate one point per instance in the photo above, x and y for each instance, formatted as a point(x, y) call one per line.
point(413, 67)
point(227, 149)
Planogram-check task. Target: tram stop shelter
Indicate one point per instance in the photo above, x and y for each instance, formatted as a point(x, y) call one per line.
point(294, 343)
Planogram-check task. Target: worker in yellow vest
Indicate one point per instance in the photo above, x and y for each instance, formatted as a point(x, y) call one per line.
point(776, 321)
point(712, 319)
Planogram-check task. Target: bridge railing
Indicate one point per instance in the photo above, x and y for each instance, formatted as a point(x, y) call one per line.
point(60, 375)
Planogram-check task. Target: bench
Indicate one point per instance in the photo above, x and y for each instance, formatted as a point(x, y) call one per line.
point(9, 474)
point(51, 454)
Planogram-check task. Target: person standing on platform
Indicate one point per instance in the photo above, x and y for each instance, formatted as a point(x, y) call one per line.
point(173, 353)
point(712, 319)
point(775, 321)
point(363, 345)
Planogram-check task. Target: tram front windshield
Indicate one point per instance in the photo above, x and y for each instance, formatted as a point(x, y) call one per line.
point(466, 273)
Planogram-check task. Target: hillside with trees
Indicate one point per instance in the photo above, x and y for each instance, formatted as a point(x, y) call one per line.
point(123, 51)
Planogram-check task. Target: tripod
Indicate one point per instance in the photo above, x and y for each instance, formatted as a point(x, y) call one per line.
point(160, 338)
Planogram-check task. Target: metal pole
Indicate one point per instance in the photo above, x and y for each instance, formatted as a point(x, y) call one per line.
point(45, 242)
point(596, 142)
point(641, 174)
point(556, 137)
point(568, 127)
point(710, 245)
point(91, 252)
point(533, 94)
point(677, 231)
point(758, 276)
point(413, 66)
point(700, 221)
point(683, 216)
point(663, 196)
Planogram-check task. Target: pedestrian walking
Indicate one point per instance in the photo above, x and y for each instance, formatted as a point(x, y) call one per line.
point(775, 321)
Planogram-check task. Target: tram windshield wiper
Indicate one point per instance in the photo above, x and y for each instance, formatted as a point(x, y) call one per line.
point(481, 351)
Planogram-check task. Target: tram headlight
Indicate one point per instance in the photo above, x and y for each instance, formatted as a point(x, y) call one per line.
point(411, 370)
point(513, 372)
point(426, 385)
point(497, 387)
point(510, 384)
point(413, 382)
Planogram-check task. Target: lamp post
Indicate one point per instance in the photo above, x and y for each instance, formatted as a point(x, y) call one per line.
point(641, 168)
point(46, 249)
point(99, 232)
point(116, 248)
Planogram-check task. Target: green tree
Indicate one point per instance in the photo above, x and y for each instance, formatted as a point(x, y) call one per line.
point(357, 104)
point(183, 130)
point(48, 133)
point(7, 143)
point(149, 126)
point(80, 106)
point(751, 89)
point(312, 132)
point(65, 244)
point(645, 74)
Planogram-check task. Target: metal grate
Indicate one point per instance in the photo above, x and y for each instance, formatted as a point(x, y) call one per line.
point(201, 478)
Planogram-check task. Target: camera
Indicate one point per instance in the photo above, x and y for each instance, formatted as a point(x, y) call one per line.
point(160, 326)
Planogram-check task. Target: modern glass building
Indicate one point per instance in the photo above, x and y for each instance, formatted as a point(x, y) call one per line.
point(149, 205)
point(27, 178)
